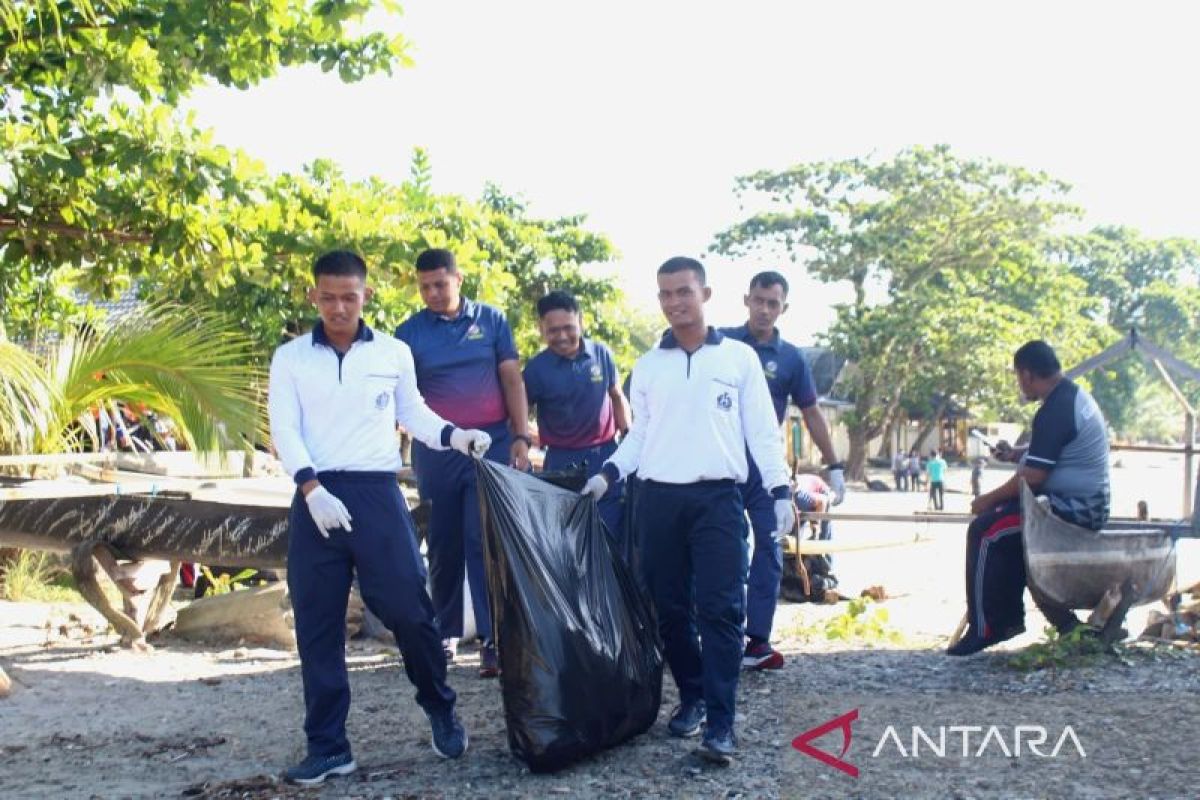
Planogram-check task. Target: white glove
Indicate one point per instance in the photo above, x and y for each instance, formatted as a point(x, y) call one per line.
point(837, 482)
point(596, 486)
point(327, 511)
point(471, 443)
point(785, 519)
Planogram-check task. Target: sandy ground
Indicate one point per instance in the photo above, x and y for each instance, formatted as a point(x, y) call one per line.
point(87, 719)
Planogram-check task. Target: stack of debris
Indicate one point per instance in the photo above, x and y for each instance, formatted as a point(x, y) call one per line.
point(1181, 621)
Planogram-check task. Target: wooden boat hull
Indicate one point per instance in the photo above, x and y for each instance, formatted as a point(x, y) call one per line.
point(144, 527)
point(1074, 566)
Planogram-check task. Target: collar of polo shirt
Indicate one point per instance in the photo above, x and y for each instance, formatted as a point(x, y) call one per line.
point(745, 334)
point(668, 340)
point(466, 308)
point(586, 347)
point(363, 334)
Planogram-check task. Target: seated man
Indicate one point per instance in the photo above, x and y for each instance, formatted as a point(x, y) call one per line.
point(1066, 461)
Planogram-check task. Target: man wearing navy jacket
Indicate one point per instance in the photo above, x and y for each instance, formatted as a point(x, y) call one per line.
point(467, 371)
point(576, 393)
point(699, 402)
point(788, 377)
point(335, 397)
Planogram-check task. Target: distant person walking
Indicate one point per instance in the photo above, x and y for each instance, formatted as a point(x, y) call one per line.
point(935, 467)
point(977, 478)
point(914, 471)
point(900, 471)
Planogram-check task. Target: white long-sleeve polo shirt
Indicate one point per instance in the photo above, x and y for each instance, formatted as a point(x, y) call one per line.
point(338, 411)
point(694, 415)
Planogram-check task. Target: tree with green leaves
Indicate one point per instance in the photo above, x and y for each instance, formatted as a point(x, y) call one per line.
point(947, 259)
point(1152, 285)
point(98, 172)
point(103, 185)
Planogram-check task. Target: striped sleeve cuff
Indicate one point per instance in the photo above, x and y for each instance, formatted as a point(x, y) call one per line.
point(781, 492)
point(610, 472)
point(1045, 461)
point(446, 431)
point(305, 475)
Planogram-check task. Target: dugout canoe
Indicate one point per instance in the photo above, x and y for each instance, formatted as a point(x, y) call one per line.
point(1075, 566)
point(166, 526)
point(230, 526)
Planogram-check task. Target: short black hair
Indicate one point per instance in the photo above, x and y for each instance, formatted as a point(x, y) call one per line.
point(765, 280)
point(1038, 358)
point(558, 300)
point(436, 258)
point(682, 263)
point(339, 262)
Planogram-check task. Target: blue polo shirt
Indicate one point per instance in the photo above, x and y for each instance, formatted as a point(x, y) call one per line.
point(787, 372)
point(457, 362)
point(574, 410)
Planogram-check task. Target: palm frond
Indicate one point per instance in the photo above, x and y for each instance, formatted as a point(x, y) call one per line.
point(24, 395)
point(192, 366)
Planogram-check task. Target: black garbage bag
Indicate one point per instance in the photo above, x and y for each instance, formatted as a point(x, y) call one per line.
point(580, 660)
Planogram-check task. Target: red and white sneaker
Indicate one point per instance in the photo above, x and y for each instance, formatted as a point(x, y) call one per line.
point(761, 655)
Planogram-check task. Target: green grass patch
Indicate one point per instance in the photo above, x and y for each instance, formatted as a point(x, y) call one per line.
point(37, 576)
point(1079, 648)
point(862, 621)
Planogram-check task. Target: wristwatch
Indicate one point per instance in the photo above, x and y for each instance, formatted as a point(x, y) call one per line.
point(523, 437)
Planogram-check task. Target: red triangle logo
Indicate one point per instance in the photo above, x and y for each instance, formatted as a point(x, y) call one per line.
point(803, 742)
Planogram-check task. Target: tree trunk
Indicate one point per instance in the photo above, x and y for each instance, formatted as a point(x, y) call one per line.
point(856, 463)
point(931, 424)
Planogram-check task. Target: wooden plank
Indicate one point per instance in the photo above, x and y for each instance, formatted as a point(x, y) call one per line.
point(57, 459)
point(1178, 366)
point(1102, 358)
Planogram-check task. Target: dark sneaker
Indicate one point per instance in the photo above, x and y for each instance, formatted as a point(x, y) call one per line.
point(717, 747)
point(449, 649)
point(971, 642)
point(449, 736)
point(489, 661)
point(760, 655)
point(687, 718)
point(313, 770)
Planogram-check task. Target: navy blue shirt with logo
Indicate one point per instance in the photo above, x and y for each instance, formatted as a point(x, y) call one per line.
point(571, 396)
point(457, 361)
point(787, 372)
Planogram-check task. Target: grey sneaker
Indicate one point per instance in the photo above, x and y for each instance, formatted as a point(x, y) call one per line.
point(313, 770)
point(449, 735)
point(718, 747)
point(687, 718)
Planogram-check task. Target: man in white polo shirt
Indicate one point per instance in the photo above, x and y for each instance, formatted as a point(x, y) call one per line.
point(336, 395)
point(699, 401)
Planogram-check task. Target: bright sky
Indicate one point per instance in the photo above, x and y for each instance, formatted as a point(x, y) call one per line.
point(642, 113)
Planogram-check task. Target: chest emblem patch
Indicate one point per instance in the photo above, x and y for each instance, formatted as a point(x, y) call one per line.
point(474, 333)
point(381, 400)
point(770, 368)
point(724, 401)
point(596, 373)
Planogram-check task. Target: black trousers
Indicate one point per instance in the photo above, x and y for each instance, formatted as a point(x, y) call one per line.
point(996, 575)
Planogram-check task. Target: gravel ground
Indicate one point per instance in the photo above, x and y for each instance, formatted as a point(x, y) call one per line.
point(87, 719)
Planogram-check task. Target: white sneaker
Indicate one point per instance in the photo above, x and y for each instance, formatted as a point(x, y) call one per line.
point(450, 649)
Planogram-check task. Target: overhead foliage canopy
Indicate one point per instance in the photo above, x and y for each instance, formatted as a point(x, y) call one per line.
point(104, 184)
point(949, 262)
